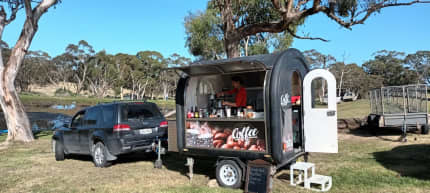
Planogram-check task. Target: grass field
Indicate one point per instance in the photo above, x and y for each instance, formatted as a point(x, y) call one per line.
point(356, 109)
point(35, 103)
point(365, 163)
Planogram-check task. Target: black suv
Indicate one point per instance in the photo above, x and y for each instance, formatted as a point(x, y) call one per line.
point(107, 130)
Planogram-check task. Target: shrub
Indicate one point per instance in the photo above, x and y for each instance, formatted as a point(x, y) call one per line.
point(63, 92)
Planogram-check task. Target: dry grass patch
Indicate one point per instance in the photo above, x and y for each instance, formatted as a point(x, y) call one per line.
point(363, 164)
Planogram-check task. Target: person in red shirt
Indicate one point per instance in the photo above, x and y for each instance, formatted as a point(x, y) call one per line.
point(240, 92)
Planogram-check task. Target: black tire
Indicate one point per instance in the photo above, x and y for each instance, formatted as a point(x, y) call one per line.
point(59, 150)
point(425, 129)
point(229, 174)
point(99, 155)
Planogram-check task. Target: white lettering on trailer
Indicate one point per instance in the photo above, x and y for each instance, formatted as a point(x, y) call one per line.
point(245, 133)
point(285, 99)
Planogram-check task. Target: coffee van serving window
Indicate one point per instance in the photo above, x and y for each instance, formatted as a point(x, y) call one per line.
point(211, 123)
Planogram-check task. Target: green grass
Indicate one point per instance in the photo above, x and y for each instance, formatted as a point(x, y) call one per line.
point(364, 164)
point(3, 137)
point(356, 109)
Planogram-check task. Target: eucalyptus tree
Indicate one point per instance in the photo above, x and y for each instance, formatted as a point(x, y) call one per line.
point(122, 66)
point(16, 119)
point(420, 63)
point(207, 35)
point(64, 69)
point(80, 54)
point(36, 68)
point(101, 74)
point(204, 37)
point(153, 63)
point(391, 67)
point(240, 19)
point(317, 60)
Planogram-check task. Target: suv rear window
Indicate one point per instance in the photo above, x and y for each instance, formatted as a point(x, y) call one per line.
point(133, 112)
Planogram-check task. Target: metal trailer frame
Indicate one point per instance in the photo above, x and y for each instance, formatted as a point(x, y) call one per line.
point(399, 106)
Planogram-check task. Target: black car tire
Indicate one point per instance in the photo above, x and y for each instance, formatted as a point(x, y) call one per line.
point(425, 129)
point(59, 150)
point(229, 174)
point(100, 155)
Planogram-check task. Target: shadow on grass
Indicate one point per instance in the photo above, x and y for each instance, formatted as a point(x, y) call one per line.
point(383, 133)
point(42, 134)
point(203, 166)
point(171, 161)
point(408, 160)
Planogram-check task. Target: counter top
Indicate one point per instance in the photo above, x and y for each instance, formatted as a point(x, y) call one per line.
point(235, 119)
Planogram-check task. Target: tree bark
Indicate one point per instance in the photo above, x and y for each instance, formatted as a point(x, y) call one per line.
point(232, 48)
point(81, 81)
point(16, 118)
point(246, 45)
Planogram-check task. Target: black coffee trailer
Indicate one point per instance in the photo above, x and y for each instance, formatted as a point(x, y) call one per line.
point(284, 123)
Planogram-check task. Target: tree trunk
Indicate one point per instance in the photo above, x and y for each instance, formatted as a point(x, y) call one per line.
point(232, 48)
point(246, 45)
point(16, 119)
point(121, 93)
point(231, 38)
point(13, 110)
point(341, 82)
point(165, 89)
point(144, 88)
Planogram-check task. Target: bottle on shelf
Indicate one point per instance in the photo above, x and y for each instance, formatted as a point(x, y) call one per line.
point(196, 112)
point(189, 113)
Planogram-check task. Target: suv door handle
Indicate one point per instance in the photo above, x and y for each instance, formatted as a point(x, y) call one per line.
point(331, 113)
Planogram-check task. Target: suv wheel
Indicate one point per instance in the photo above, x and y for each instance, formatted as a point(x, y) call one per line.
point(59, 150)
point(229, 174)
point(100, 155)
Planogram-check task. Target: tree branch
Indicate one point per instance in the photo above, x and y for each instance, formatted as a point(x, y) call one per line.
point(300, 3)
point(304, 37)
point(17, 6)
point(42, 7)
point(279, 6)
point(252, 29)
point(369, 11)
point(28, 9)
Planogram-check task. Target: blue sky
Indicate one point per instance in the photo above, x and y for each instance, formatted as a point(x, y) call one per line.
point(136, 25)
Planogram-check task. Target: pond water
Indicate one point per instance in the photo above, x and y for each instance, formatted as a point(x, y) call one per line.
point(40, 121)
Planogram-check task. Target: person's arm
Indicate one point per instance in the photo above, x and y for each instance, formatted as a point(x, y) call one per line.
point(229, 92)
point(229, 104)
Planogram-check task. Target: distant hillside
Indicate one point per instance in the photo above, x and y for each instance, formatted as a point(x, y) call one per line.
point(50, 89)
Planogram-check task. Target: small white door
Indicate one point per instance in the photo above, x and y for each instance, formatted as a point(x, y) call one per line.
point(320, 122)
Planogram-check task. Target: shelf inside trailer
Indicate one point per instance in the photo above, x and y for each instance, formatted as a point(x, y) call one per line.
point(235, 119)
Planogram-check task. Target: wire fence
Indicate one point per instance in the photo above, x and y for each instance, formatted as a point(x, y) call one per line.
point(399, 99)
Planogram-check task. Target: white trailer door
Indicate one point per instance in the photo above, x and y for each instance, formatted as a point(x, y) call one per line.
point(320, 123)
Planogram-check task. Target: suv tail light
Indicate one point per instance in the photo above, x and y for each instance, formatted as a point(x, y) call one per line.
point(121, 127)
point(163, 124)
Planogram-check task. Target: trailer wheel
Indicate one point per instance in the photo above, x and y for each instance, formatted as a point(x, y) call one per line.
point(425, 129)
point(229, 174)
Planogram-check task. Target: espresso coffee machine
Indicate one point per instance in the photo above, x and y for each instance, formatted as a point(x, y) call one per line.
point(213, 104)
